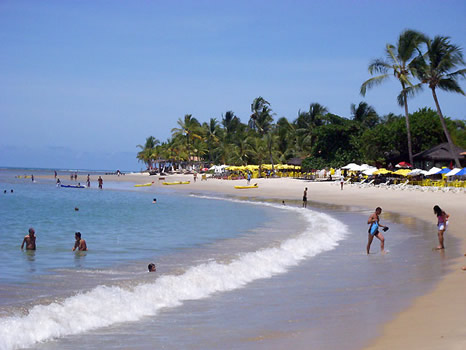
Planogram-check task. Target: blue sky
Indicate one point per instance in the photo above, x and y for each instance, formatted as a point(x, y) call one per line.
point(84, 82)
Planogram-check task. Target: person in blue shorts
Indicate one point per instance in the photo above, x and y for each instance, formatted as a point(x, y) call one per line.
point(374, 222)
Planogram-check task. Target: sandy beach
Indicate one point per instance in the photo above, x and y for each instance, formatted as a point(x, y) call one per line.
point(435, 320)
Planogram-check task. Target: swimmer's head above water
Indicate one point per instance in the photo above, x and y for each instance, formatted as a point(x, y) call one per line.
point(151, 267)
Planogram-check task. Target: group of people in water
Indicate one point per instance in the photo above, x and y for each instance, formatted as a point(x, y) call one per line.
point(374, 222)
point(375, 226)
point(30, 241)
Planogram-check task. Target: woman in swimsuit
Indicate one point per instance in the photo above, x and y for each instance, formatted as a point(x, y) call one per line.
point(442, 224)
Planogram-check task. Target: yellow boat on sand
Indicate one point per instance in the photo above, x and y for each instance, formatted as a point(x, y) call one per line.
point(143, 185)
point(249, 186)
point(177, 183)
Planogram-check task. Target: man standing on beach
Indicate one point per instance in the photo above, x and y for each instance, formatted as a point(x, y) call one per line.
point(30, 240)
point(342, 180)
point(374, 223)
point(100, 182)
point(305, 198)
point(88, 180)
point(80, 243)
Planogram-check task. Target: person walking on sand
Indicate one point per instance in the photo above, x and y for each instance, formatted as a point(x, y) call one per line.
point(374, 222)
point(305, 198)
point(442, 224)
point(30, 240)
point(80, 243)
point(342, 181)
point(101, 181)
point(249, 177)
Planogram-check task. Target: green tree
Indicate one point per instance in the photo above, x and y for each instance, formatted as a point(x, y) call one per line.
point(398, 62)
point(437, 69)
point(212, 132)
point(146, 153)
point(364, 115)
point(306, 125)
point(189, 127)
point(261, 118)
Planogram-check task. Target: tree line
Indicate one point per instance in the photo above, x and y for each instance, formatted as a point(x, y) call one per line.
point(324, 139)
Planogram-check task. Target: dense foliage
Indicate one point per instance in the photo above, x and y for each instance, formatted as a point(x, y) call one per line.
point(322, 139)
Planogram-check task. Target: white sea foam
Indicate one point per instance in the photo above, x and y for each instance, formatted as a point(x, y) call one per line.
point(104, 306)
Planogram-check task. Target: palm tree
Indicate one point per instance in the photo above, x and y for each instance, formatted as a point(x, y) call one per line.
point(364, 114)
point(146, 153)
point(435, 70)
point(286, 134)
point(212, 133)
point(188, 127)
point(307, 123)
point(271, 141)
point(261, 118)
point(399, 63)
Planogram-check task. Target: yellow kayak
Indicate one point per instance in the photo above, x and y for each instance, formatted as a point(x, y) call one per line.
point(249, 186)
point(177, 183)
point(143, 185)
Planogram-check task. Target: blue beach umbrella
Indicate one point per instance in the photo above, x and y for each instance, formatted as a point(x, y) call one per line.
point(443, 171)
point(461, 172)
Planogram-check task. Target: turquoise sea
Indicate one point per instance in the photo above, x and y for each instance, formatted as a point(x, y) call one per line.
point(231, 273)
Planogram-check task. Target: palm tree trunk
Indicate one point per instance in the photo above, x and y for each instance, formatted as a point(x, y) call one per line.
point(445, 130)
point(408, 129)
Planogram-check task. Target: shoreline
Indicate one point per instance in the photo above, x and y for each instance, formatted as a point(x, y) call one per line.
point(436, 315)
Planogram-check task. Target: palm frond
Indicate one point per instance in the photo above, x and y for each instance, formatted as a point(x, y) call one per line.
point(379, 66)
point(368, 84)
point(449, 84)
point(408, 92)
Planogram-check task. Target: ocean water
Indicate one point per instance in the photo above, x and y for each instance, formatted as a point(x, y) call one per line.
point(231, 273)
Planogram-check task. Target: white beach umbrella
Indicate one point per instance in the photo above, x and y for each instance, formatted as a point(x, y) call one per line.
point(416, 172)
point(367, 167)
point(370, 171)
point(453, 172)
point(349, 166)
point(433, 171)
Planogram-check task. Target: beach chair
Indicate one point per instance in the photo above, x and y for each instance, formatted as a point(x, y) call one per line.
point(368, 184)
point(360, 184)
point(400, 186)
point(383, 185)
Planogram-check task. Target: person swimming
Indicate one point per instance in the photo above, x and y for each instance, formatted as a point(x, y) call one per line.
point(151, 267)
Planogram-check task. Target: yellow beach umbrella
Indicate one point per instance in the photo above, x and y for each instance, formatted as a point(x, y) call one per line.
point(381, 171)
point(402, 172)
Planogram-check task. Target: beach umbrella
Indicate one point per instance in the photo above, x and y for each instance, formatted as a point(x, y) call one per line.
point(402, 172)
point(462, 172)
point(403, 165)
point(453, 172)
point(349, 166)
point(369, 172)
point(381, 171)
point(417, 172)
point(433, 171)
point(367, 167)
point(444, 171)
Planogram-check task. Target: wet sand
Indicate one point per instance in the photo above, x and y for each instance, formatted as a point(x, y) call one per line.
point(433, 321)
